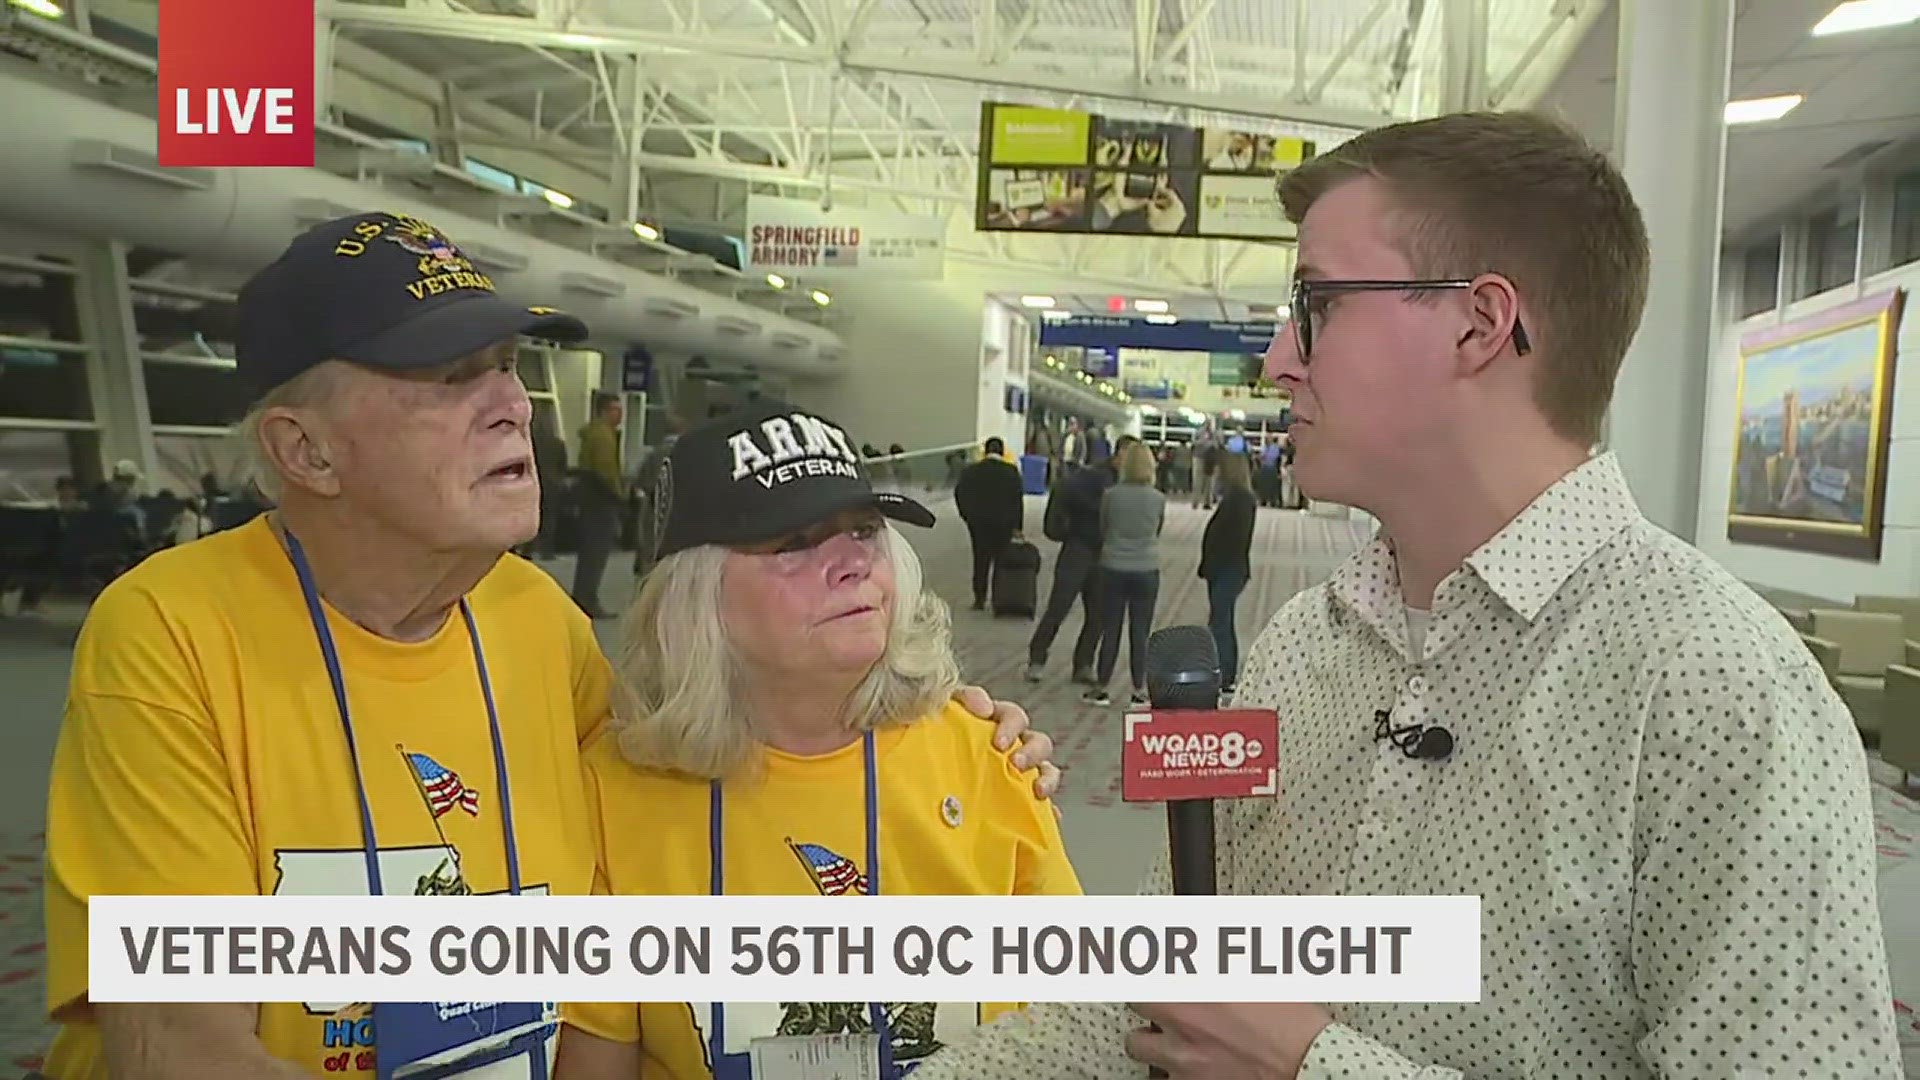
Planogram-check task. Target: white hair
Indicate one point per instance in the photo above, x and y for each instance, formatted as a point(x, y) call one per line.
point(309, 388)
point(678, 701)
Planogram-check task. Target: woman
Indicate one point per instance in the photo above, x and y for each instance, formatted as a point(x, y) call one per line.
point(1131, 514)
point(1225, 563)
point(784, 729)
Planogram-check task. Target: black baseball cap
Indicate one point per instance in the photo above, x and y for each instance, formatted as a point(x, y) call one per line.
point(761, 472)
point(384, 290)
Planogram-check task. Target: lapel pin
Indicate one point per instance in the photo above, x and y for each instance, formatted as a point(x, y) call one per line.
point(950, 811)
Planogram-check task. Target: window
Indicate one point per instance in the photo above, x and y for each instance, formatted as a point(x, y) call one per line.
point(1760, 277)
point(1905, 246)
point(492, 174)
point(1833, 239)
point(43, 365)
point(186, 355)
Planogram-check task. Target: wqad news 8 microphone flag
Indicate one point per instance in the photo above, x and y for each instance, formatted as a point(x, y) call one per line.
point(1183, 672)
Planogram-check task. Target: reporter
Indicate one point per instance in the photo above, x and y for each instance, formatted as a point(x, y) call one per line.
point(292, 707)
point(1659, 798)
point(784, 727)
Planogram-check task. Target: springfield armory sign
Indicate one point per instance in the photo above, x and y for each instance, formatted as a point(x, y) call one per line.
point(795, 238)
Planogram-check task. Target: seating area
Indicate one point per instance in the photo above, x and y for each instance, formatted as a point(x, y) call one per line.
point(76, 550)
point(1871, 653)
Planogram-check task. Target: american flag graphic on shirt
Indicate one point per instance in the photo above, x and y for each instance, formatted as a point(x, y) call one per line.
point(442, 786)
point(833, 874)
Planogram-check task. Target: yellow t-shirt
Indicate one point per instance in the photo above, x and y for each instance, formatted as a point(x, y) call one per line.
point(955, 819)
point(202, 753)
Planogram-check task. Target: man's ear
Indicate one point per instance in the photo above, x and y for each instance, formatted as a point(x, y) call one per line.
point(1493, 315)
point(294, 440)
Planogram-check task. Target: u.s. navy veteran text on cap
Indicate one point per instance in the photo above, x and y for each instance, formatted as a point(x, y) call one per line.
point(236, 83)
point(384, 290)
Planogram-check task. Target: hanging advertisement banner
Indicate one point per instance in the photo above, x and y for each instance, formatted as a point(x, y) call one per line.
point(1186, 335)
point(1062, 171)
point(795, 238)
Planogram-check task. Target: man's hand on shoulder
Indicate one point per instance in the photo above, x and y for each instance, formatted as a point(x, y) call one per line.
point(1013, 725)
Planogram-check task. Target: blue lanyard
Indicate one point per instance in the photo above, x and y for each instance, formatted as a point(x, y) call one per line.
point(717, 886)
point(334, 674)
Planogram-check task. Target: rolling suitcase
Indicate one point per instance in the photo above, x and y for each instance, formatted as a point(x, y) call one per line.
point(1016, 580)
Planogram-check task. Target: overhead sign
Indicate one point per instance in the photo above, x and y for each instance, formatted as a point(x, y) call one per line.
point(1171, 754)
point(1187, 335)
point(794, 237)
point(236, 83)
point(1061, 171)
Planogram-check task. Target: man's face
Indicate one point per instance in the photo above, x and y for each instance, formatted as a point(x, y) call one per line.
point(1372, 396)
point(442, 455)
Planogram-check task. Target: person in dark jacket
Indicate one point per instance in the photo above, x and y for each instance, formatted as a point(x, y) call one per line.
point(1225, 560)
point(992, 501)
point(1073, 513)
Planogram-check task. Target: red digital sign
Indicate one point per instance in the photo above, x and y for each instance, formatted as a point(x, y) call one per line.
point(236, 83)
point(1171, 754)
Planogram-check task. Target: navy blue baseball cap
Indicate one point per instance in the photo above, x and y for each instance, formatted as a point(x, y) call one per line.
point(384, 290)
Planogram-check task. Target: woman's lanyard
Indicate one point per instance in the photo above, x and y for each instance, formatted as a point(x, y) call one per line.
point(717, 886)
point(338, 679)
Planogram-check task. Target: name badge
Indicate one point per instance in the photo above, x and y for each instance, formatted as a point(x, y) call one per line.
point(431, 1040)
point(817, 1057)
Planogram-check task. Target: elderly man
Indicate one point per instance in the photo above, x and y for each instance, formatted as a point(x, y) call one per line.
point(1649, 783)
point(355, 694)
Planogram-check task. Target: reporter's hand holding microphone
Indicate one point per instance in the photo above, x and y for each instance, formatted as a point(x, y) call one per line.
point(1194, 1041)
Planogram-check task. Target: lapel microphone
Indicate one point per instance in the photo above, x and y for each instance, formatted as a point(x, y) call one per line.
point(1422, 742)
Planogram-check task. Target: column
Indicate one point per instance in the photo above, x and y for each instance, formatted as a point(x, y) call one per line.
point(116, 378)
point(1463, 58)
point(1670, 140)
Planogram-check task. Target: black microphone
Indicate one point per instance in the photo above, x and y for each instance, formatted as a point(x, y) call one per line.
point(1183, 672)
point(1422, 742)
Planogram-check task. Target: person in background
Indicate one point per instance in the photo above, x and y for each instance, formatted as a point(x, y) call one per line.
point(1660, 799)
point(1073, 513)
point(992, 501)
point(236, 702)
point(602, 493)
point(1131, 515)
point(785, 726)
point(1225, 561)
point(550, 463)
point(1200, 465)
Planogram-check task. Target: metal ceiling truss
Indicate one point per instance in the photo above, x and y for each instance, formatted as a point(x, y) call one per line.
point(810, 97)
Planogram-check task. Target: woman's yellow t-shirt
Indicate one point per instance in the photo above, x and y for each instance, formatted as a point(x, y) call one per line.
point(955, 819)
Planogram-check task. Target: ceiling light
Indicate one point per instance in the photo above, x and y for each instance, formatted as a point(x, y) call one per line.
point(1760, 110)
point(1163, 320)
point(821, 298)
point(558, 198)
point(776, 281)
point(645, 231)
point(1867, 15)
point(1036, 301)
point(1281, 312)
point(45, 8)
point(1154, 306)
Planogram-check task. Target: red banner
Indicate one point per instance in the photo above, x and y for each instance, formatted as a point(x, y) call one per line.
point(236, 83)
point(1173, 754)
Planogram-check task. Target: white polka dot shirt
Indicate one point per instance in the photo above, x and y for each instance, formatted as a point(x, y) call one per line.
point(1661, 802)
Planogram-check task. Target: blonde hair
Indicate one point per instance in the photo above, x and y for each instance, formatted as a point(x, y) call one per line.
point(310, 388)
point(1524, 196)
point(678, 704)
point(1234, 472)
point(1136, 464)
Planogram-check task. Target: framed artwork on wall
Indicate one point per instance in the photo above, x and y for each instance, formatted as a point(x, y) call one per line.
point(1814, 417)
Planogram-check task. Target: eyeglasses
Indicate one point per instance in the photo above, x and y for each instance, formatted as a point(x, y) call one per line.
point(1309, 296)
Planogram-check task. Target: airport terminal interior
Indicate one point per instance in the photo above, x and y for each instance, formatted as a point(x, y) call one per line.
point(939, 222)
